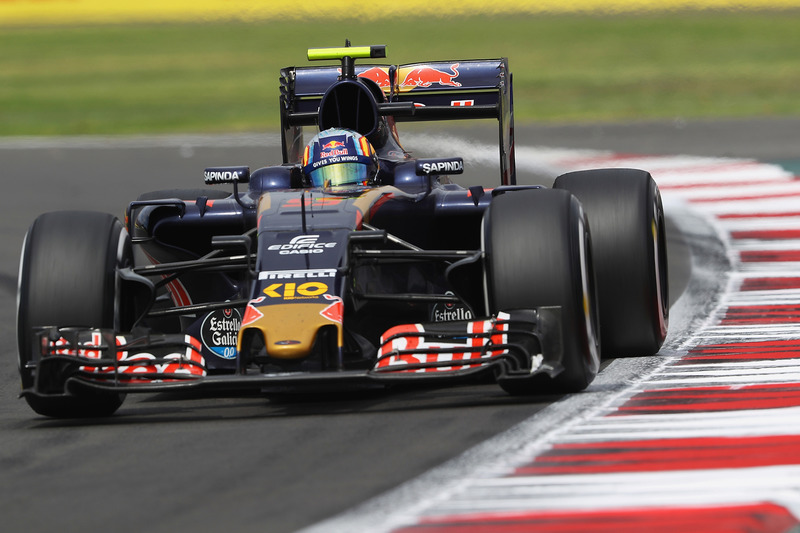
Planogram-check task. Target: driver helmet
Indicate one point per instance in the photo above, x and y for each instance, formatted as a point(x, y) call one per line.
point(338, 157)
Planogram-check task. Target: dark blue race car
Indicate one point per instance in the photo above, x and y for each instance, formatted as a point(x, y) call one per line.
point(350, 263)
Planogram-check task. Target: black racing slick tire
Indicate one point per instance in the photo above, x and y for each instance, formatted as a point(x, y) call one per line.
point(537, 249)
point(630, 256)
point(68, 278)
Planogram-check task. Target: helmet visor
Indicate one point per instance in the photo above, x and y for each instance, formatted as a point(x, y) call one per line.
point(355, 171)
point(340, 174)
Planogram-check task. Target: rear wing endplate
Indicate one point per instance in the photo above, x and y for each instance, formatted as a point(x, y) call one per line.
point(451, 90)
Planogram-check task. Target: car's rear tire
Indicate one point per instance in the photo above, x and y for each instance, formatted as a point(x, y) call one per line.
point(538, 253)
point(68, 278)
point(630, 256)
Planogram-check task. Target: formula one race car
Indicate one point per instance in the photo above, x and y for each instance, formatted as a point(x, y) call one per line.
point(349, 264)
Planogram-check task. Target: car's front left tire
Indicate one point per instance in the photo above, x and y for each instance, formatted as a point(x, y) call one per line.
point(537, 249)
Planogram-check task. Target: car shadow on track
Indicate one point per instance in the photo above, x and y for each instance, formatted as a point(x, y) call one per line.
point(187, 407)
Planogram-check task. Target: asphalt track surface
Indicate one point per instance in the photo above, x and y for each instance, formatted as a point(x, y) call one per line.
point(244, 463)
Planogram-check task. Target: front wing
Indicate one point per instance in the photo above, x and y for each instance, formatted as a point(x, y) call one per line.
point(515, 344)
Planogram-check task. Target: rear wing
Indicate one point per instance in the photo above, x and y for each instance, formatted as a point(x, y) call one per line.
point(451, 90)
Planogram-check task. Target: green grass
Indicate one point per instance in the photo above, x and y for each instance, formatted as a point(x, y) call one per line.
point(224, 77)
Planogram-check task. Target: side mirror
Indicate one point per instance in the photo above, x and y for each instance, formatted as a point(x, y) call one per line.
point(235, 175)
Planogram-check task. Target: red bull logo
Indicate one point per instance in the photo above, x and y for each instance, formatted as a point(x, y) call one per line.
point(378, 75)
point(419, 76)
point(426, 76)
point(332, 145)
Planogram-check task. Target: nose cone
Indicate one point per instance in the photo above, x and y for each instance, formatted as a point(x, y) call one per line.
point(289, 330)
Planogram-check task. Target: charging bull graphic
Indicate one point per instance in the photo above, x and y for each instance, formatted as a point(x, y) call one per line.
point(379, 75)
point(419, 76)
point(426, 76)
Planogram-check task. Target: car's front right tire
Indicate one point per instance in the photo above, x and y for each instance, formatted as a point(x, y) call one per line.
point(68, 278)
